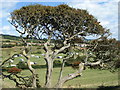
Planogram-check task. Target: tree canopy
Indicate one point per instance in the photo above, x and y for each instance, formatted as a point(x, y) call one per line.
point(61, 21)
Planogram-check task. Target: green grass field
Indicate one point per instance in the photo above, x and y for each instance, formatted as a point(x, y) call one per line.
point(89, 79)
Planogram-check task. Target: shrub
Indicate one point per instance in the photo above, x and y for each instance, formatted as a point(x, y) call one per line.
point(7, 41)
point(14, 70)
point(36, 66)
point(22, 65)
point(4, 69)
point(68, 64)
point(57, 63)
point(7, 45)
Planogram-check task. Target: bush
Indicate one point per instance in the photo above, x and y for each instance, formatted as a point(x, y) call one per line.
point(4, 69)
point(7, 41)
point(7, 45)
point(57, 63)
point(68, 64)
point(22, 65)
point(14, 70)
point(36, 66)
point(76, 58)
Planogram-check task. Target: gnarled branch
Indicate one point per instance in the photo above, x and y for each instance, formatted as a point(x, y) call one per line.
point(70, 76)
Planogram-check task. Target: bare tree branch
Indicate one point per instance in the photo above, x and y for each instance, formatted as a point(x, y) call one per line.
point(74, 35)
point(62, 66)
point(16, 27)
point(61, 49)
point(93, 64)
point(71, 76)
point(61, 70)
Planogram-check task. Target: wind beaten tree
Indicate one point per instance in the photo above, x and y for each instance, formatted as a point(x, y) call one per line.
point(60, 25)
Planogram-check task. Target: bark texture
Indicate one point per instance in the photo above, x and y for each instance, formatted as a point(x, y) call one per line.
point(31, 69)
point(33, 74)
point(70, 76)
point(49, 73)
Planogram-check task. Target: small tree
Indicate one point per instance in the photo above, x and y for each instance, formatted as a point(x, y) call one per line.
point(61, 26)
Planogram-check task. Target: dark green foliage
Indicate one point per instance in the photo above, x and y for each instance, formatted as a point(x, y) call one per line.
point(22, 65)
point(62, 19)
point(108, 51)
point(57, 63)
point(36, 66)
point(5, 69)
point(7, 45)
point(10, 37)
point(6, 41)
point(76, 58)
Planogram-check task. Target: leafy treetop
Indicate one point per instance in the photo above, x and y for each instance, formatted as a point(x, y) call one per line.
point(61, 22)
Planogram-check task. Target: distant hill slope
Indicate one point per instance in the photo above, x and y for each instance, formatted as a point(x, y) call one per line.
point(11, 37)
point(17, 38)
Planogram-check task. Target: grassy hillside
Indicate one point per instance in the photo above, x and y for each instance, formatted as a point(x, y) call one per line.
point(9, 37)
point(91, 78)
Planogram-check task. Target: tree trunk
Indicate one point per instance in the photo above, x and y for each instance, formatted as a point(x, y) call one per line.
point(61, 70)
point(49, 63)
point(59, 84)
point(34, 81)
point(33, 74)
